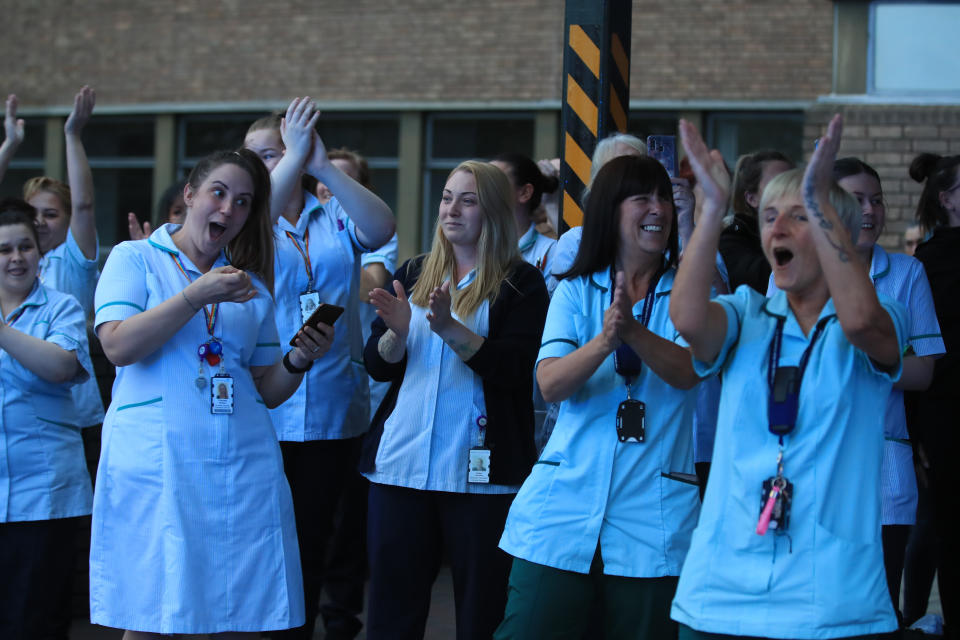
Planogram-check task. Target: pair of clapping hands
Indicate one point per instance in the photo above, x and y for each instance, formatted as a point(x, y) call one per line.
point(395, 311)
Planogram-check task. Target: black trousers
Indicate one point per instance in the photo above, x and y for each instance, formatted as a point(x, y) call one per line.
point(408, 532)
point(316, 471)
point(38, 560)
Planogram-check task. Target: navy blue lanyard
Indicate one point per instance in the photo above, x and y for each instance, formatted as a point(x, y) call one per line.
point(625, 360)
point(794, 395)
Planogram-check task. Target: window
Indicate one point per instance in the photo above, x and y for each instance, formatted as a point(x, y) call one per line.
point(912, 48)
point(27, 163)
point(453, 138)
point(736, 133)
point(651, 123)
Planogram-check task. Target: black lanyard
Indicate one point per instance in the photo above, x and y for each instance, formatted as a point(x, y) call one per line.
point(784, 383)
point(625, 360)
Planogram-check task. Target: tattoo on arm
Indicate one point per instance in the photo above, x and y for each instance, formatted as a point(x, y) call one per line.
point(462, 349)
point(810, 201)
point(390, 347)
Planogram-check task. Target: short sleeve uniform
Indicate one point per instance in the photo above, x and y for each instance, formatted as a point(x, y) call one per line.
point(43, 472)
point(332, 402)
point(540, 251)
point(193, 528)
point(827, 579)
point(588, 486)
point(65, 268)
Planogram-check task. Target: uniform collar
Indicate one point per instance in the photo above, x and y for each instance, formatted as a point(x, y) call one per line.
point(601, 280)
point(528, 239)
point(777, 306)
point(160, 239)
point(36, 298)
point(879, 263)
point(467, 279)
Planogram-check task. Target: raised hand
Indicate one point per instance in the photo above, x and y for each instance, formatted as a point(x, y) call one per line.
point(83, 104)
point(708, 167)
point(13, 127)
point(685, 203)
point(439, 308)
point(296, 128)
point(136, 231)
point(318, 161)
point(223, 284)
point(818, 176)
point(395, 311)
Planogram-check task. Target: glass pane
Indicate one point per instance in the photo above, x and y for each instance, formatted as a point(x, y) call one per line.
point(203, 136)
point(12, 185)
point(912, 47)
point(372, 137)
point(119, 137)
point(119, 191)
point(652, 124)
point(736, 134)
point(34, 139)
point(385, 185)
point(480, 138)
point(436, 178)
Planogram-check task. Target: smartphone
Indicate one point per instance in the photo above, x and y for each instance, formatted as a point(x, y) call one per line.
point(324, 313)
point(664, 150)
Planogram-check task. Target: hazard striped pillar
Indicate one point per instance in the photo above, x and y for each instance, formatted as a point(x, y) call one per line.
point(596, 90)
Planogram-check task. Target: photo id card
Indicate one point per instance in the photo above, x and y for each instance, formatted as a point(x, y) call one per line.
point(478, 470)
point(308, 304)
point(221, 394)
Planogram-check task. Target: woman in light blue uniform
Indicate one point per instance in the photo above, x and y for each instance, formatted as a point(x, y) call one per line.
point(901, 278)
point(193, 528)
point(317, 259)
point(788, 543)
point(607, 512)
point(44, 484)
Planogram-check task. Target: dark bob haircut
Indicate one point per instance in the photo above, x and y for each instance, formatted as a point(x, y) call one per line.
point(16, 211)
point(616, 181)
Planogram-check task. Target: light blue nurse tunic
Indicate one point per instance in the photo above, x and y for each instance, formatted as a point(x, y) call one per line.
point(588, 487)
point(43, 472)
point(826, 580)
point(540, 251)
point(193, 528)
point(337, 383)
point(65, 268)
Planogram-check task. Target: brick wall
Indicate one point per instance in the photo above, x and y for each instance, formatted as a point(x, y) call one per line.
point(888, 137)
point(137, 51)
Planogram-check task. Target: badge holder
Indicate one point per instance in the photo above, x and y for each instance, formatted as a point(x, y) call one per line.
point(478, 465)
point(221, 393)
point(309, 301)
point(631, 420)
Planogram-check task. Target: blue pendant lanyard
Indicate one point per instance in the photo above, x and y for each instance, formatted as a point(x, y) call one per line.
point(625, 360)
point(784, 397)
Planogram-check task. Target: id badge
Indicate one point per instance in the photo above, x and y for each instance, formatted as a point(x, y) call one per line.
point(308, 304)
point(631, 417)
point(221, 394)
point(776, 497)
point(478, 471)
point(785, 401)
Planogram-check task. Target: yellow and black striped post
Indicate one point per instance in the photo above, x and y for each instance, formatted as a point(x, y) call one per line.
point(596, 90)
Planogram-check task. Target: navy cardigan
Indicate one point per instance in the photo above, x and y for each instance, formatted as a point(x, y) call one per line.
point(504, 363)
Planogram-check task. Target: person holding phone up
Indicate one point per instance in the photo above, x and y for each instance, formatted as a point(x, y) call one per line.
point(193, 525)
point(605, 517)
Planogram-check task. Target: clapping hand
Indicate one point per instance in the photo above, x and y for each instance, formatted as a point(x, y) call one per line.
point(708, 167)
point(297, 126)
point(438, 304)
point(395, 311)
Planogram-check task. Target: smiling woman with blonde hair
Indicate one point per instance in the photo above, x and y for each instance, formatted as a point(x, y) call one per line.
point(453, 439)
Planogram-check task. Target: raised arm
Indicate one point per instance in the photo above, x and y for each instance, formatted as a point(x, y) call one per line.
point(83, 224)
point(702, 323)
point(296, 129)
point(374, 219)
point(13, 127)
point(865, 323)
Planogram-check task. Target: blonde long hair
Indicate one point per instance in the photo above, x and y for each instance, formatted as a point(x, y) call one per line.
point(497, 250)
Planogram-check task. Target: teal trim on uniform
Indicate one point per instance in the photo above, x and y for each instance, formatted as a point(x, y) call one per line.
point(359, 362)
point(267, 344)
point(925, 335)
point(41, 322)
point(163, 248)
point(882, 273)
point(70, 338)
point(549, 463)
point(568, 341)
point(900, 440)
point(526, 246)
point(594, 283)
point(59, 424)
point(120, 303)
point(140, 404)
point(259, 401)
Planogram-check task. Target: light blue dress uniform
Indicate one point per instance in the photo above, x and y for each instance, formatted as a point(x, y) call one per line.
point(65, 268)
point(827, 579)
point(588, 486)
point(193, 527)
point(387, 256)
point(565, 253)
point(427, 439)
point(43, 473)
point(902, 278)
point(540, 251)
point(332, 402)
